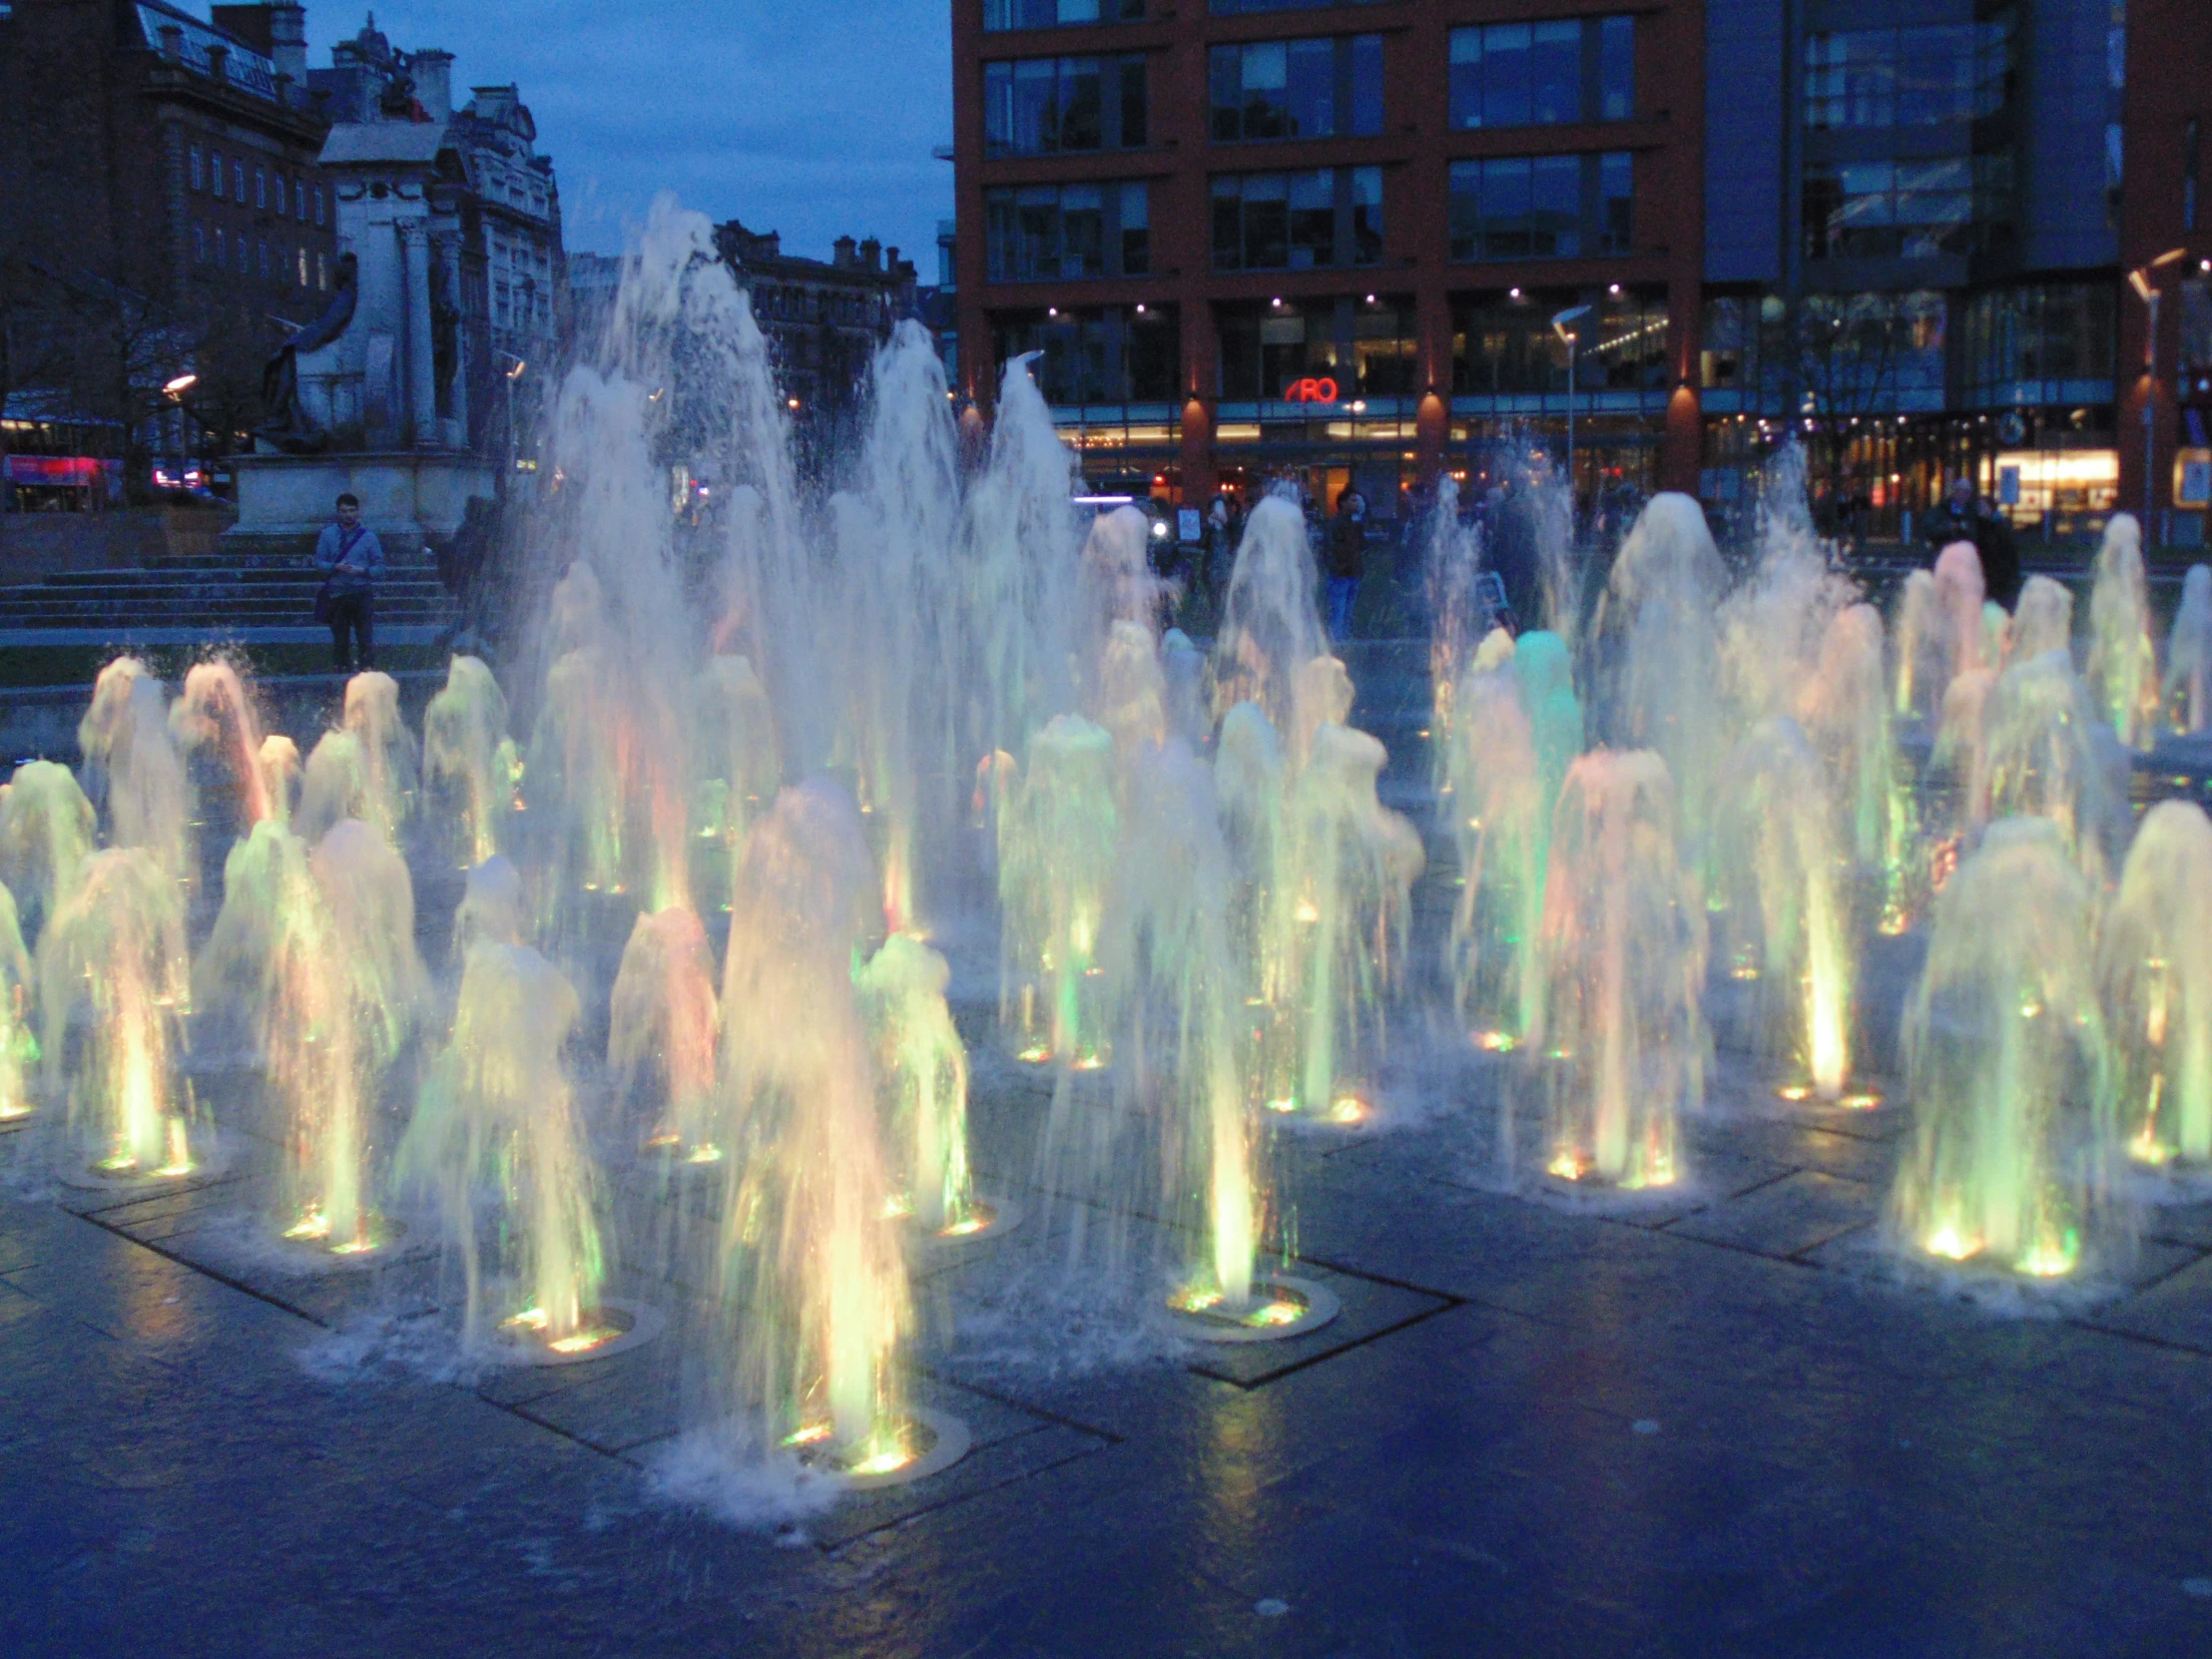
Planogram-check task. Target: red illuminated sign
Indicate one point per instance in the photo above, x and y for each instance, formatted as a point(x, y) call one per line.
point(1310, 390)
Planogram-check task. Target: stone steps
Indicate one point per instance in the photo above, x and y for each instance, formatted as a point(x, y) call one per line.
point(217, 593)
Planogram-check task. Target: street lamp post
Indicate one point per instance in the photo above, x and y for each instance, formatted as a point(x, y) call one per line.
point(1559, 327)
point(2139, 280)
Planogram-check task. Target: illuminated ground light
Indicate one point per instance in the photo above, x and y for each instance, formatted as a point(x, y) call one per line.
point(1283, 1103)
point(982, 1218)
point(1348, 1109)
point(1308, 911)
point(614, 1327)
point(1794, 1092)
point(1567, 1166)
point(1496, 1042)
point(1861, 1099)
point(1095, 1059)
point(2051, 1257)
point(706, 1152)
point(313, 1230)
point(2147, 1147)
point(1279, 1307)
point(914, 1445)
point(1952, 1244)
point(1036, 1054)
point(13, 1111)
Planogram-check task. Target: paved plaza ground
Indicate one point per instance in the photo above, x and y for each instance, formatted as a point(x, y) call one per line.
point(1717, 1420)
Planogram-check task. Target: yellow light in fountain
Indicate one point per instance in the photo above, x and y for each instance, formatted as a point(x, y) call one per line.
point(884, 1463)
point(813, 1434)
point(1275, 1312)
point(1952, 1244)
point(1308, 911)
point(530, 1318)
point(179, 1152)
point(706, 1152)
point(1195, 1299)
point(1281, 1103)
point(1567, 1166)
point(962, 1228)
point(1496, 1042)
point(583, 1342)
point(1348, 1108)
point(315, 1225)
point(896, 1206)
point(1794, 1092)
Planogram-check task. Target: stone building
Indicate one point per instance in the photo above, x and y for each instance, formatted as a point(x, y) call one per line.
point(826, 318)
point(503, 203)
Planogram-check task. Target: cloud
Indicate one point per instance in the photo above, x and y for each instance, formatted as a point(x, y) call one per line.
point(816, 120)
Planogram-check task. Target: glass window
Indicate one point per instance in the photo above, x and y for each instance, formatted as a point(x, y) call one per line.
point(1276, 89)
point(1542, 207)
point(1298, 221)
point(1616, 71)
point(238, 181)
point(1950, 205)
point(2196, 324)
point(1918, 76)
point(1544, 74)
point(1043, 106)
point(2049, 342)
point(1111, 354)
point(1510, 348)
point(261, 187)
point(199, 176)
point(302, 266)
point(318, 204)
point(1055, 14)
point(198, 243)
point(1044, 233)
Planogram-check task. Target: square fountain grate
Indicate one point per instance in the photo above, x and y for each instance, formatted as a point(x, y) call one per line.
point(1372, 1310)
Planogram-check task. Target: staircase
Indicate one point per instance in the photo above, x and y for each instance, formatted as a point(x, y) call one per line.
point(252, 600)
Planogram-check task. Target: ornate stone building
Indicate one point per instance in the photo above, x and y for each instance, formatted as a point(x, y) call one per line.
point(824, 318)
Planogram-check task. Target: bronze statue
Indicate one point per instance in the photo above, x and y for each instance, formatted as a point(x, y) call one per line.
point(290, 427)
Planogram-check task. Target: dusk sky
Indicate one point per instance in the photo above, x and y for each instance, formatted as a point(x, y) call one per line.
point(816, 120)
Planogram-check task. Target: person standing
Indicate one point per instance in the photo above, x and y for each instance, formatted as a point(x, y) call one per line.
point(1963, 517)
point(1347, 553)
point(353, 555)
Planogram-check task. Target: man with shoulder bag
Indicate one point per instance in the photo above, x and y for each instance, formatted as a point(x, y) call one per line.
point(353, 557)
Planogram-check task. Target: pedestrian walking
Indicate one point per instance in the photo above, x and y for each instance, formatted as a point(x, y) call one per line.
point(349, 551)
point(1347, 553)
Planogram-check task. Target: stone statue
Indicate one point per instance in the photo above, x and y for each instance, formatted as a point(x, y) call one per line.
point(290, 427)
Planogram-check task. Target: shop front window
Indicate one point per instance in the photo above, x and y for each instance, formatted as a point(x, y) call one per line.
point(1303, 221)
point(1110, 356)
point(1542, 207)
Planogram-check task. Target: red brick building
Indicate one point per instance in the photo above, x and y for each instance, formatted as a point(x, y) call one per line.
point(159, 201)
point(1252, 239)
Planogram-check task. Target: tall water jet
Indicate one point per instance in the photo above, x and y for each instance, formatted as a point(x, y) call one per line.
point(1173, 984)
point(2015, 1108)
point(1658, 621)
point(279, 764)
point(2154, 971)
point(113, 994)
point(922, 1068)
point(1021, 539)
point(1844, 709)
point(2189, 654)
point(2042, 621)
point(132, 768)
point(662, 1029)
point(1921, 668)
point(215, 712)
point(19, 1050)
point(2049, 756)
point(2123, 665)
point(1057, 837)
point(497, 1143)
point(1457, 619)
point(1502, 822)
point(1350, 864)
point(1270, 628)
point(1775, 626)
point(469, 763)
point(736, 762)
point(1624, 949)
point(316, 954)
point(900, 595)
point(492, 909)
point(805, 1260)
point(45, 833)
point(1788, 919)
point(389, 759)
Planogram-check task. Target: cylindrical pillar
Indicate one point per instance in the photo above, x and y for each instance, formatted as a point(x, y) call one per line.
point(421, 425)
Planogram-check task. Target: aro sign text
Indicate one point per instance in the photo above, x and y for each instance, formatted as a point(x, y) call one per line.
point(1311, 390)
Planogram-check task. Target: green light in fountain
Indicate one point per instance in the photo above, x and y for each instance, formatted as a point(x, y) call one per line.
point(469, 763)
point(2009, 1070)
point(496, 1122)
point(1056, 831)
point(2122, 669)
point(2155, 972)
point(922, 1069)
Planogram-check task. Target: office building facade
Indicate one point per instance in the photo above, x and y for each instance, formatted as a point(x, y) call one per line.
point(1367, 241)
